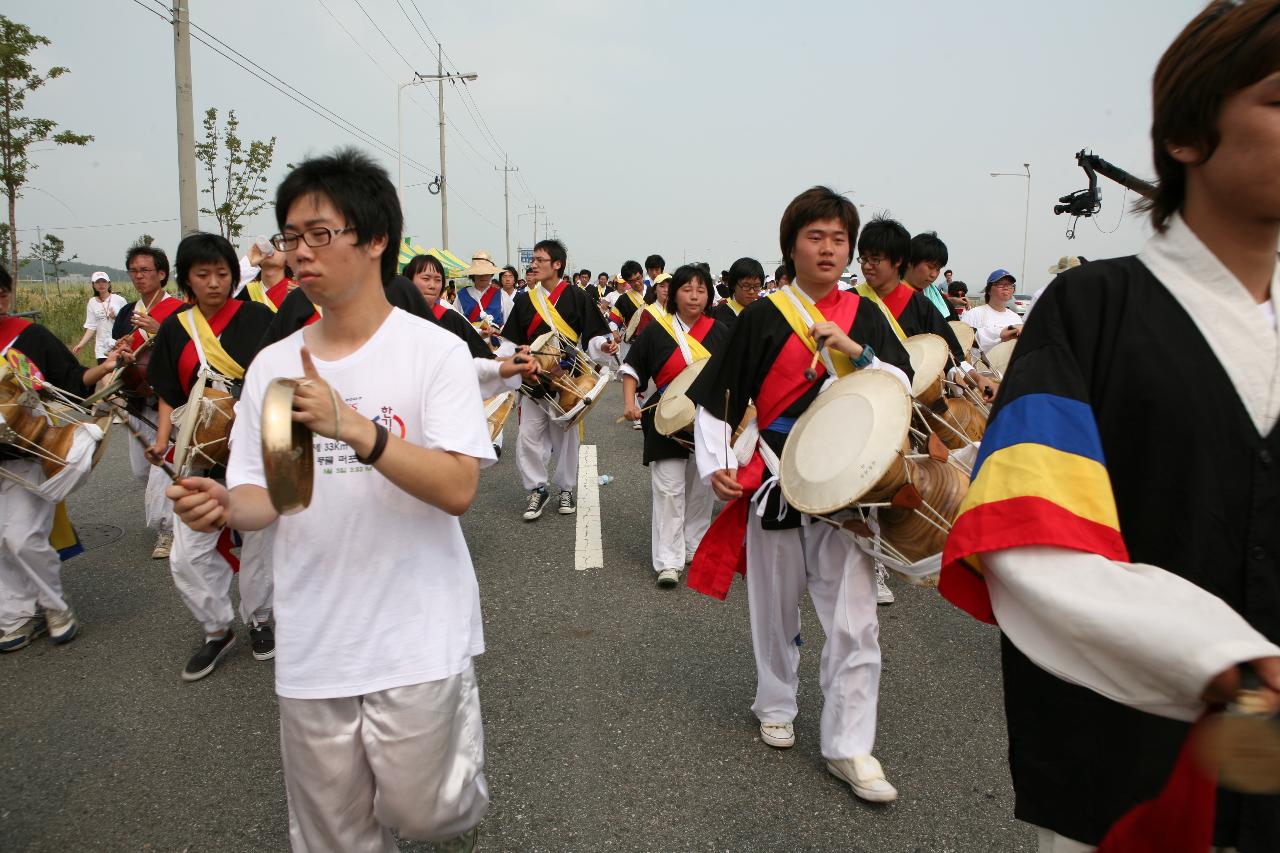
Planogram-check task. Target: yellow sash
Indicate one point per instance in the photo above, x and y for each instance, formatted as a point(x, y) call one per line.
point(193, 320)
point(696, 349)
point(734, 305)
point(547, 311)
point(258, 293)
point(635, 299)
point(866, 291)
point(801, 323)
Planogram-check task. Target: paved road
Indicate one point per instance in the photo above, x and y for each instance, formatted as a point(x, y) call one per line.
point(616, 714)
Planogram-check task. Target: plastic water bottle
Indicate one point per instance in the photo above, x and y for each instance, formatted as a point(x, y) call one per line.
point(605, 479)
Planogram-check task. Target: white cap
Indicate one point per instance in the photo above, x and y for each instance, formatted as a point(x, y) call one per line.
point(99, 276)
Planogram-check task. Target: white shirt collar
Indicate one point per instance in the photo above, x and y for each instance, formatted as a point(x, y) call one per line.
point(1241, 333)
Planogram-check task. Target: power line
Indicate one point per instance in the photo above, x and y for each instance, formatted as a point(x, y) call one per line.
point(107, 225)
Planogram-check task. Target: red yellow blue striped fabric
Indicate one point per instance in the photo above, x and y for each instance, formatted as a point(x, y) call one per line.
point(1040, 479)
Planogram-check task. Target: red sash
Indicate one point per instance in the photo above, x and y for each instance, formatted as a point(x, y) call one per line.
point(676, 362)
point(162, 309)
point(438, 310)
point(898, 299)
point(537, 318)
point(278, 291)
point(189, 361)
point(10, 328)
point(486, 302)
point(785, 382)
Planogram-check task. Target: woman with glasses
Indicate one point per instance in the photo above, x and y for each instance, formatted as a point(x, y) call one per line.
point(995, 322)
point(744, 279)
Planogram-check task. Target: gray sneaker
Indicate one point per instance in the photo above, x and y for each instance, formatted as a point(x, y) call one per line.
point(21, 636)
point(884, 595)
point(62, 625)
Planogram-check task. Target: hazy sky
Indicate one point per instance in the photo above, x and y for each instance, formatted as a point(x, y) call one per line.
point(682, 128)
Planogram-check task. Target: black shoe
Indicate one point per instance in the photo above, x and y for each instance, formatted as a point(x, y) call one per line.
point(210, 655)
point(497, 451)
point(263, 639)
point(537, 502)
point(567, 506)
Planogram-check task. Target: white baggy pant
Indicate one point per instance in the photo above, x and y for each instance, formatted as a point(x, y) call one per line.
point(408, 757)
point(682, 507)
point(539, 439)
point(203, 576)
point(158, 508)
point(29, 566)
point(841, 582)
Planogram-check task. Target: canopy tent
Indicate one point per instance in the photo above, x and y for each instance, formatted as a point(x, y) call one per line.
point(453, 265)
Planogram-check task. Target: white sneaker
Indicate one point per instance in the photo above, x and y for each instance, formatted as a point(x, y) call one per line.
point(865, 775)
point(780, 735)
point(164, 542)
point(667, 578)
point(62, 625)
point(884, 595)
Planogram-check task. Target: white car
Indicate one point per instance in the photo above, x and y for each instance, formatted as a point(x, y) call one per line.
point(1020, 303)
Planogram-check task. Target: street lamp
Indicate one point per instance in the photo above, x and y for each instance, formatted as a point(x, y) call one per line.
point(439, 77)
point(1026, 217)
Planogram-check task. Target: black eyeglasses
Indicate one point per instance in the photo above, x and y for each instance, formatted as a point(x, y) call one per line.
point(141, 270)
point(313, 237)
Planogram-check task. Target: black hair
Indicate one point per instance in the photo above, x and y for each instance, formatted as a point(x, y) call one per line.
point(927, 247)
point(629, 269)
point(781, 272)
point(204, 248)
point(359, 188)
point(741, 269)
point(515, 276)
point(887, 237)
point(158, 257)
point(684, 275)
point(815, 204)
point(587, 273)
point(655, 262)
point(556, 251)
point(957, 288)
point(417, 262)
point(6, 280)
point(604, 274)
point(944, 272)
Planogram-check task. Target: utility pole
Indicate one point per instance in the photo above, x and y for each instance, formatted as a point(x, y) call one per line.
point(440, 77)
point(535, 208)
point(188, 209)
point(506, 169)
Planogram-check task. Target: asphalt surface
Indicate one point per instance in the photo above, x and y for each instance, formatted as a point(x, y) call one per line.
point(617, 715)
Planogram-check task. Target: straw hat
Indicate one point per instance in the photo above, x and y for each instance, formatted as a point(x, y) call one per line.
point(1064, 263)
point(481, 264)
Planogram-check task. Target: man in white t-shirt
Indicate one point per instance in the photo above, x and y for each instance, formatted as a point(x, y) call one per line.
point(99, 315)
point(376, 602)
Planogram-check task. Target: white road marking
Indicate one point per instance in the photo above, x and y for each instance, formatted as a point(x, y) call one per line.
point(589, 549)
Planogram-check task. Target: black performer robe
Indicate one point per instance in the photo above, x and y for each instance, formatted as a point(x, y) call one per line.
point(650, 357)
point(752, 353)
point(1102, 372)
point(572, 303)
point(918, 316)
point(725, 314)
point(51, 357)
point(624, 306)
point(172, 375)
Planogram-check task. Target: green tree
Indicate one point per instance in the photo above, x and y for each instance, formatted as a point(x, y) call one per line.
point(243, 175)
point(144, 240)
point(49, 252)
point(18, 132)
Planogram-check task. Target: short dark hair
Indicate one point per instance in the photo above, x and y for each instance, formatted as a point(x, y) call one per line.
point(359, 188)
point(204, 248)
point(603, 275)
point(957, 288)
point(587, 273)
point(629, 269)
point(780, 272)
point(888, 237)
point(655, 262)
point(927, 247)
point(812, 205)
point(158, 257)
point(741, 269)
point(1206, 64)
point(944, 272)
point(6, 280)
point(417, 262)
point(555, 250)
point(682, 276)
point(515, 276)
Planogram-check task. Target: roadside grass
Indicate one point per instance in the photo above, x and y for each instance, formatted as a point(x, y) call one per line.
point(62, 309)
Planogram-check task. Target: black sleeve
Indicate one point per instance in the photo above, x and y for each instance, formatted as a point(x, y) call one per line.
point(933, 323)
point(517, 325)
point(716, 337)
point(162, 372)
point(593, 322)
point(625, 308)
point(122, 326)
point(593, 292)
point(739, 365)
point(53, 359)
point(640, 357)
point(454, 322)
point(403, 294)
point(252, 321)
point(291, 316)
point(870, 328)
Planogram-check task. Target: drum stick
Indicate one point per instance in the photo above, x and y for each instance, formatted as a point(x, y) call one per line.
point(642, 411)
point(812, 373)
point(164, 466)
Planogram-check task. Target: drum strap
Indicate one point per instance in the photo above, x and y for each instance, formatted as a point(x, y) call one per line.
point(547, 310)
point(802, 314)
point(868, 292)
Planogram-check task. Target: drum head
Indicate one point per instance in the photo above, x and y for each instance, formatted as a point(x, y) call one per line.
point(1000, 354)
point(928, 355)
point(964, 334)
point(288, 457)
point(675, 411)
point(845, 442)
point(633, 324)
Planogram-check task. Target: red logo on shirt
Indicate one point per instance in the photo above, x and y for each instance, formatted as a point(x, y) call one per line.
point(389, 419)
